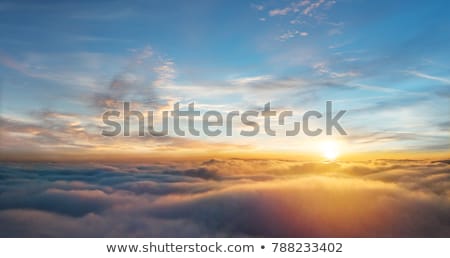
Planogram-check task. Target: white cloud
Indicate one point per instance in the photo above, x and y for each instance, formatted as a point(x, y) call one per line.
point(249, 80)
point(323, 68)
point(376, 88)
point(305, 13)
point(429, 77)
point(344, 74)
point(294, 7)
point(313, 6)
point(283, 11)
point(291, 34)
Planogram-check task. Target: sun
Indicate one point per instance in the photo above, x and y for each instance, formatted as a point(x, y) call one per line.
point(330, 150)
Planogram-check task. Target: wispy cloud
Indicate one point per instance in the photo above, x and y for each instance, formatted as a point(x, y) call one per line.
point(305, 7)
point(283, 11)
point(166, 73)
point(429, 77)
point(291, 34)
point(63, 77)
point(248, 80)
point(323, 68)
point(303, 15)
point(308, 10)
point(293, 7)
point(377, 88)
point(258, 7)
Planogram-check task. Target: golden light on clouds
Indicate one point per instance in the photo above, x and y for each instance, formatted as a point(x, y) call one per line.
point(330, 150)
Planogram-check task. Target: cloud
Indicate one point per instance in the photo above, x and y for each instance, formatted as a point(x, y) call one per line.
point(138, 82)
point(294, 7)
point(311, 207)
point(230, 197)
point(249, 80)
point(66, 77)
point(306, 14)
point(87, 76)
point(12, 63)
point(305, 7)
point(283, 11)
point(50, 134)
point(308, 10)
point(258, 7)
point(292, 34)
point(430, 77)
point(377, 88)
point(324, 69)
point(166, 73)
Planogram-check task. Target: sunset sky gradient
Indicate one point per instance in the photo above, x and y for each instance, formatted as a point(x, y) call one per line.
point(63, 64)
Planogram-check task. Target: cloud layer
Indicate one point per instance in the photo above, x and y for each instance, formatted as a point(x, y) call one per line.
point(226, 198)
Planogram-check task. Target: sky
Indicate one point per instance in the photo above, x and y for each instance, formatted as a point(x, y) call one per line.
point(63, 64)
point(385, 63)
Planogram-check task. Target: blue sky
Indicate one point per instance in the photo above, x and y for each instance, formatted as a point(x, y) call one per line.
point(386, 62)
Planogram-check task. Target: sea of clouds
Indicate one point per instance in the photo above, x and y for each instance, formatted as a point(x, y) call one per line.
point(226, 198)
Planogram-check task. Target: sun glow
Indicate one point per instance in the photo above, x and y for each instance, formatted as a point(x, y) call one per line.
point(330, 150)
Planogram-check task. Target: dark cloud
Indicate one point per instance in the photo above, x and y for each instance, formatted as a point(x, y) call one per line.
point(220, 198)
point(200, 172)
